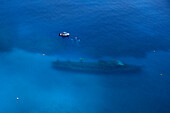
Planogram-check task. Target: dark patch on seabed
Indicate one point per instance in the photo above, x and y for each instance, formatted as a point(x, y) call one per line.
point(5, 45)
point(99, 69)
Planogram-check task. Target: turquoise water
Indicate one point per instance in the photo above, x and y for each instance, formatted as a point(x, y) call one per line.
point(135, 32)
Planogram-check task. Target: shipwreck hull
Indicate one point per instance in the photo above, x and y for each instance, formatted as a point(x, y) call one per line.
point(103, 67)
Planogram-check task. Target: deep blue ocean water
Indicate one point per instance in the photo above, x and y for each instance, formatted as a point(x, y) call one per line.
point(133, 31)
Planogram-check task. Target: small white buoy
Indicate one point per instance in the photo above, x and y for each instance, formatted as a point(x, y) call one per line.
point(17, 98)
point(43, 54)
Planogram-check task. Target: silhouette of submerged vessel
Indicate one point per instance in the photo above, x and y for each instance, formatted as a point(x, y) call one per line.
point(101, 67)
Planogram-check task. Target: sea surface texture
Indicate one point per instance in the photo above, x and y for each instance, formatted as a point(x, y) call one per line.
point(133, 31)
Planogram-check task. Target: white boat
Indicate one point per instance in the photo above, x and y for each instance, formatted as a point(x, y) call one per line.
point(64, 34)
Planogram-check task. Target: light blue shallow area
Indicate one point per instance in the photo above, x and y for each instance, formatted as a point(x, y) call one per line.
point(133, 31)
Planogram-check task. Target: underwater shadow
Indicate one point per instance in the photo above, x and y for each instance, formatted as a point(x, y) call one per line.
point(97, 68)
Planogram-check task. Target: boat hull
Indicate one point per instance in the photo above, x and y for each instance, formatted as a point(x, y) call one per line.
point(64, 34)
